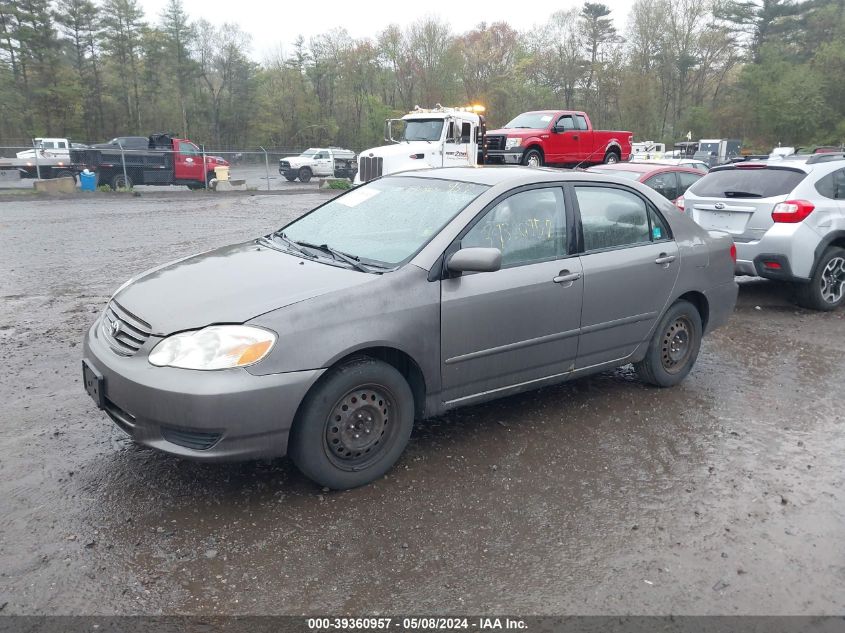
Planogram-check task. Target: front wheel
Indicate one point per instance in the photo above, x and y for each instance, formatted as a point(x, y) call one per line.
point(826, 289)
point(119, 181)
point(305, 174)
point(532, 158)
point(354, 424)
point(673, 348)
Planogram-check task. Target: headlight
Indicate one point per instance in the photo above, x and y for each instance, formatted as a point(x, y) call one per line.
point(214, 347)
point(513, 142)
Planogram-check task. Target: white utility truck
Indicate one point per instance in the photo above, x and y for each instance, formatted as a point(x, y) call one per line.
point(424, 138)
point(318, 161)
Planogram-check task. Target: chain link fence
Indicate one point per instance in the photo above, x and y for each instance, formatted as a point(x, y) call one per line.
point(163, 167)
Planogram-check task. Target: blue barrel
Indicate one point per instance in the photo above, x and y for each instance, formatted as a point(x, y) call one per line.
point(88, 181)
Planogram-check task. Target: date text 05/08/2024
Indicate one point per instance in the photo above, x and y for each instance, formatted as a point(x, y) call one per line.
point(416, 623)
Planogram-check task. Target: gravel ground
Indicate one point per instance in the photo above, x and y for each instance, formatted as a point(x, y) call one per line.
point(721, 496)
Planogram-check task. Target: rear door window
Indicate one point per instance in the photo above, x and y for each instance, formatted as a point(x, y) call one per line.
point(765, 182)
point(665, 184)
point(611, 218)
point(687, 180)
point(833, 185)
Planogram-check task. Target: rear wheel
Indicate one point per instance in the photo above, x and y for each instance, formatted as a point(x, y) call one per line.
point(119, 181)
point(673, 348)
point(611, 158)
point(305, 174)
point(354, 424)
point(532, 158)
point(826, 290)
point(66, 174)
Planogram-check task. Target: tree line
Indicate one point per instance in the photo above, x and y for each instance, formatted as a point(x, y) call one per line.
point(766, 71)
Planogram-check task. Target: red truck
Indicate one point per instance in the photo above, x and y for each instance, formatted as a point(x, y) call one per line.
point(556, 137)
point(165, 161)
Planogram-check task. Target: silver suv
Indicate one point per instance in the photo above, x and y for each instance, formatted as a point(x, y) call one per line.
point(787, 219)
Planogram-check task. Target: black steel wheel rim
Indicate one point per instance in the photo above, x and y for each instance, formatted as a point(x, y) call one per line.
point(360, 427)
point(676, 345)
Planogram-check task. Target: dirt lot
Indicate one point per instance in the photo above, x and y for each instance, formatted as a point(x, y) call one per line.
point(722, 496)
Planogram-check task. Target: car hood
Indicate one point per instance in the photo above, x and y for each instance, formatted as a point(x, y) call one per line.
point(518, 132)
point(296, 161)
point(232, 284)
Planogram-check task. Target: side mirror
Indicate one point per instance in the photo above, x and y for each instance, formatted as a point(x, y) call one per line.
point(475, 260)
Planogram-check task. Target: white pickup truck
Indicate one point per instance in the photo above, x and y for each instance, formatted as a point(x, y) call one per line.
point(47, 148)
point(319, 161)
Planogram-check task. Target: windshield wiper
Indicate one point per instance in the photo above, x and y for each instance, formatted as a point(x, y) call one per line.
point(291, 244)
point(742, 194)
point(340, 255)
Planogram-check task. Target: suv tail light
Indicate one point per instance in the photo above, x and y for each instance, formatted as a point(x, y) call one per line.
point(792, 211)
point(679, 202)
point(733, 252)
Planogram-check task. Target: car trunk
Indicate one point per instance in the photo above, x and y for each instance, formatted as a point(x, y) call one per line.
point(746, 220)
point(740, 200)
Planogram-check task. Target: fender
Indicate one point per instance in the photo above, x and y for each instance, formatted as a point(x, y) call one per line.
point(828, 239)
point(613, 144)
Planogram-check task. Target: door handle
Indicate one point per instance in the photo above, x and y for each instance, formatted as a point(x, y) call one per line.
point(664, 259)
point(566, 277)
point(574, 137)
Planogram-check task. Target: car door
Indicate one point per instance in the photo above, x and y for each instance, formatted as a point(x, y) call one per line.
point(630, 264)
point(323, 164)
point(565, 140)
point(520, 323)
point(188, 162)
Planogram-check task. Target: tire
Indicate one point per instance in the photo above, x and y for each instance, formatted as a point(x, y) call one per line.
point(289, 178)
point(305, 174)
point(673, 348)
point(118, 182)
point(324, 442)
point(532, 158)
point(826, 290)
point(611, 158)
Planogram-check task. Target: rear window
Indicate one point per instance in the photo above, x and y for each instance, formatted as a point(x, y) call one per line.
point(765, 182)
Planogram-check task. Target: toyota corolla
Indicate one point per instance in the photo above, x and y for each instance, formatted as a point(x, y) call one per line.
point(399, 300)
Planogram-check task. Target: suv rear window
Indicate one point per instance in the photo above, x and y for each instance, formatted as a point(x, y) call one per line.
point(765, 182)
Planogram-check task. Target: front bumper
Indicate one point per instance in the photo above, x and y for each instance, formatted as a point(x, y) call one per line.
point(502, 157)
point(202, 415)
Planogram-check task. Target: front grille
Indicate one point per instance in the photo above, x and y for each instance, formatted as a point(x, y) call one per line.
point(370, 167)
point(196, 440)
point(124, 332)
point(495, 142)
point(283, 164)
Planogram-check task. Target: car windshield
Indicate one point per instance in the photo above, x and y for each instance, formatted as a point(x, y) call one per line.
point(622, 173)
point(531, 120)
point(387, 221)
point(423, 130)
point(748, 183)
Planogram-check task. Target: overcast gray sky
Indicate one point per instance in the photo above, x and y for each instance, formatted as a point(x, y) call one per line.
point(275, 23)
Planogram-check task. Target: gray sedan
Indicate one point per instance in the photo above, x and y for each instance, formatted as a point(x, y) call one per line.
point(409, 296)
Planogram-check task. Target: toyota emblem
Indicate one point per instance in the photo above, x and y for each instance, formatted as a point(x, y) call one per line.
point(114, 329)
point(720, 205)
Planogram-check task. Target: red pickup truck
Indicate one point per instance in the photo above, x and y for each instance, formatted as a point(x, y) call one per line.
point(164, 161)
point(556, 137)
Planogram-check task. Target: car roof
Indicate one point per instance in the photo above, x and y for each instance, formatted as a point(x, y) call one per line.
point(512, 175)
